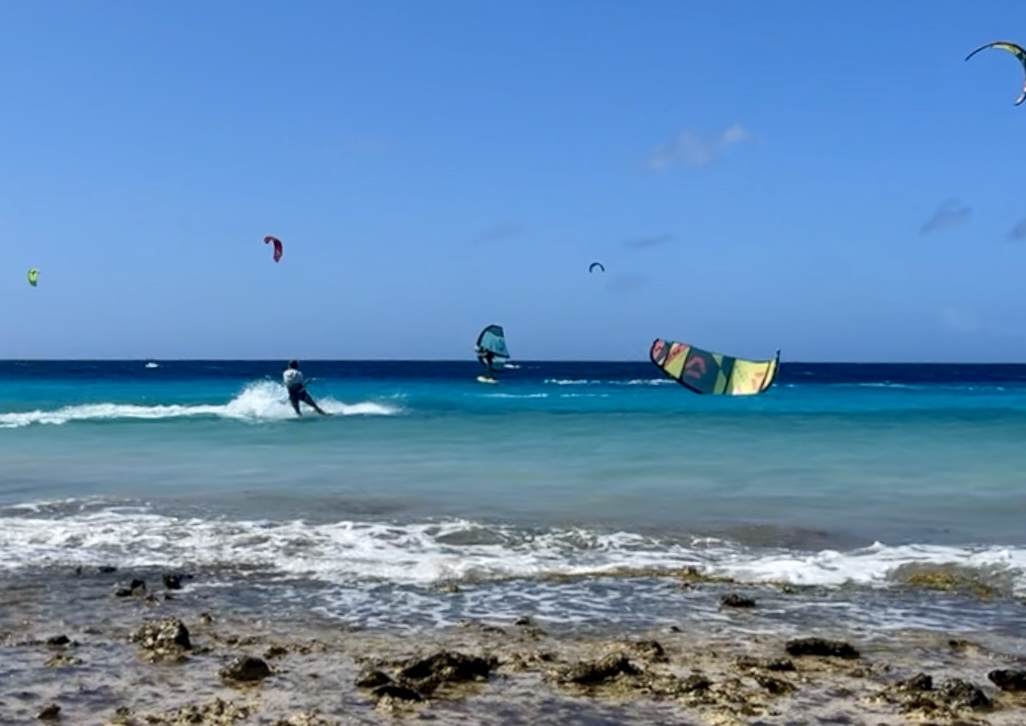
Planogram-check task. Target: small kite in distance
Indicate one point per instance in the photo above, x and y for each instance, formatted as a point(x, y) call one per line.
point(277, 246)
point(33, 277)
point(594, 265)
point(1017, 50)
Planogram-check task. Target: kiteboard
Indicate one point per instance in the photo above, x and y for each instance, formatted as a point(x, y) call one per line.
point(486, 379)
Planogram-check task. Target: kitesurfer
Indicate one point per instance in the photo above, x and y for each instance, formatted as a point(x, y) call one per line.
point(296, 386)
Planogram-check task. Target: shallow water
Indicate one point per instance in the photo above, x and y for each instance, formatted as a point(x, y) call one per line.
point(836, 477)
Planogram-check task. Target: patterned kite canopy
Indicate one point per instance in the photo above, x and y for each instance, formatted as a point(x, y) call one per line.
point(703, 371)
point(277, 246)
point(1017, 50)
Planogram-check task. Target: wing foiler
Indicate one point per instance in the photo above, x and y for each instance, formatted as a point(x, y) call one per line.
point(703, 371)
point(491, 344)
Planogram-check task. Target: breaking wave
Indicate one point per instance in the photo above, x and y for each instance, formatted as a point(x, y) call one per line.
point(258, 401)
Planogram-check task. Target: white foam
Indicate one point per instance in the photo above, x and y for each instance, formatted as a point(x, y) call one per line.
point(515, 395)
point(870, 566)
point(259, 401)
point(588, 382)
point(425, 553)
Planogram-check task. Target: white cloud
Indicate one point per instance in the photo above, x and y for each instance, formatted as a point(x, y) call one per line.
point(1018, 231)
point(693, 148)
point(501, 231)
point(949, 214)
point(644, 243)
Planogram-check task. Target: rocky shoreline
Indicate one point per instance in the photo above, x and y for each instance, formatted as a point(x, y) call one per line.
point(84, 652)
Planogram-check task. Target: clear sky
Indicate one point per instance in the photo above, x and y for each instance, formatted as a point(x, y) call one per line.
point(828, 178)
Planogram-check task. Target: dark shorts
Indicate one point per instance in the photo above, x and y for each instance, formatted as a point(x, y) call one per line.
point(299, 394)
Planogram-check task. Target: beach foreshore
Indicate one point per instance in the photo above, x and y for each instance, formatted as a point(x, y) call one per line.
point(104, 647)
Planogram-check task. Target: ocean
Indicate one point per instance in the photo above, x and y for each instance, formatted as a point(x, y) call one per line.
point(564, 493)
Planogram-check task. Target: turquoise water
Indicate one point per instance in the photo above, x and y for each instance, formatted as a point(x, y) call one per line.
point(838, 474)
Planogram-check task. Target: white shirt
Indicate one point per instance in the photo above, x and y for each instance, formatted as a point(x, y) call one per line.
point(293, 378)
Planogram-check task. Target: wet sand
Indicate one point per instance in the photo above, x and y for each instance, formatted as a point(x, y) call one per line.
point(163, 655)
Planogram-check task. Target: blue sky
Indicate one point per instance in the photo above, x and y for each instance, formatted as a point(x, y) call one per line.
point(828, 178)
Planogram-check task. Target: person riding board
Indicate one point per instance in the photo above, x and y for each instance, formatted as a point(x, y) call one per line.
point(487, 357)
point(295, 384)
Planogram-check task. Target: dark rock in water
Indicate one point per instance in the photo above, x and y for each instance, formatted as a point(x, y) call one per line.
point(733, 600)
point(1008, 680)
point(399, 693)
point(522, 620)
point(242, 640)
point(165, 637)
point(136, 587)
point(371, 677)
point(245, 668)
point(960, 645)
point(60, 660)
point(766, 664)
point(954, 695)
point(916, 684)
point(106, 569)
point(650, 650)
point(50, 713)
point(821, 647)
point(963, 694)
point(605, 669)
point(776, 686)
point(482, 626)
point(217, 712)
point(693, 689)
point(533, 632)
point(275, 651)
point(527, 660)
point(448, 667)
point(206, 618)
point(172, 582)
point(58, 640)
point(914, 694)
point(695, 682)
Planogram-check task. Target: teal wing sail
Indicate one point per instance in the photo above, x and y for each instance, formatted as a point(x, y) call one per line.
point(491, 340)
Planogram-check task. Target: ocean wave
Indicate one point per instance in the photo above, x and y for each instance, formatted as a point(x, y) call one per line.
point(426, 553)
point(514, 395)
point(589, 382)
point(258, 401)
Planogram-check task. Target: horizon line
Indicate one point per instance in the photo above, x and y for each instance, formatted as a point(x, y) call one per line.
point(465, 360)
